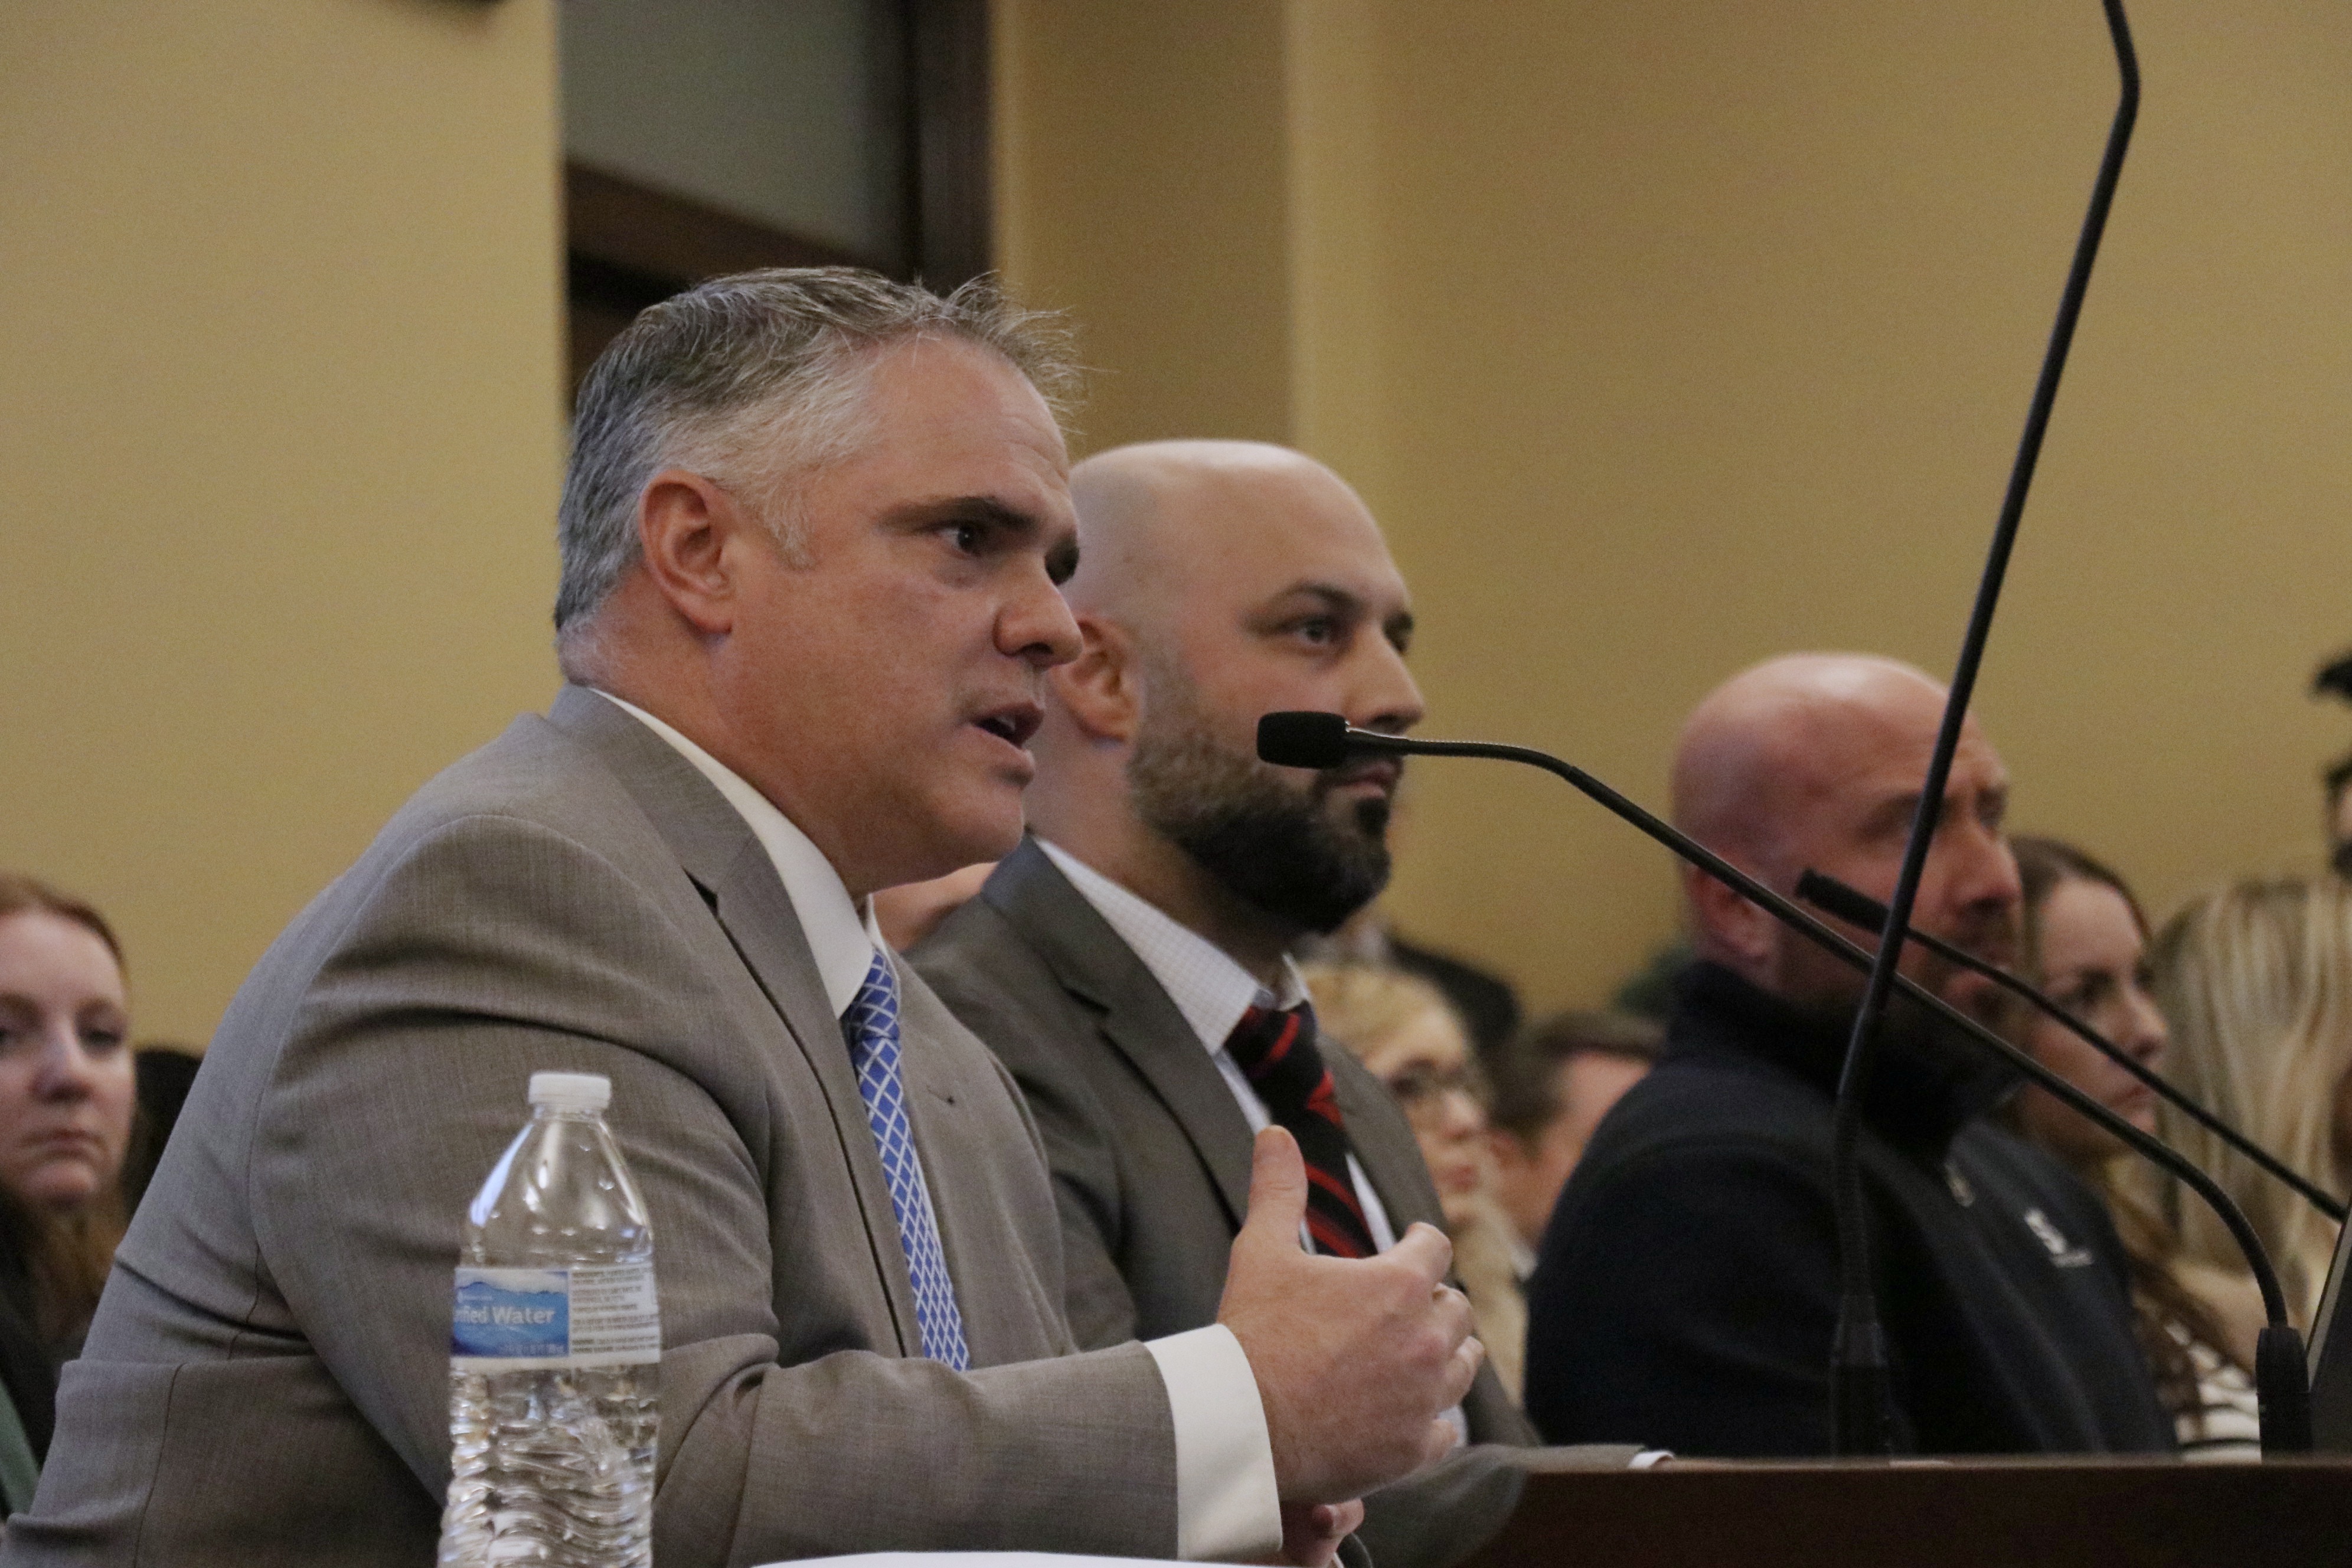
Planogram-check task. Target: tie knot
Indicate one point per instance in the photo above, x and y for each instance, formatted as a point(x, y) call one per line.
point(874, 1009)
point(1268, 1040)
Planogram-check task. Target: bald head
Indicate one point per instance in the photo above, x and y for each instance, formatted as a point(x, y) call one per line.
point(1817, 761)
point(1160, 520)
point(1774, 736)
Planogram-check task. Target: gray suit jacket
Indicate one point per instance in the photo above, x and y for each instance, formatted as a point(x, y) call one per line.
point(1152, 1163)
point(267, 1381)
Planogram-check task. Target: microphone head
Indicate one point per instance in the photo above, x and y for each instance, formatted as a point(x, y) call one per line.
point(1303, 739)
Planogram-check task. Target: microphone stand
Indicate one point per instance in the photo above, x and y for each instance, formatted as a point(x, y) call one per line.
point(1857, 908)
point(2280, 1386)
point(1858, 1364)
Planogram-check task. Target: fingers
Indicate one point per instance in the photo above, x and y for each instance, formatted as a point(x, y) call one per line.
point(1464, 1368)
point(1423, 1246)
point(1436, 1441)
point(1311, 1533)
point(1277, 1200)
point(1455, 1318)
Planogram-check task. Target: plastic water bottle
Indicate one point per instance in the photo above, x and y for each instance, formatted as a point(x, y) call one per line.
point(555, 1350)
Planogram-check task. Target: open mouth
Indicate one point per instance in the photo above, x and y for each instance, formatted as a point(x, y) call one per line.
point(1013, 725)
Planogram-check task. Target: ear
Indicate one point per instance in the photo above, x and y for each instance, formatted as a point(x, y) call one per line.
point(689, 530)
point(1100, 687)
point(1727, 922)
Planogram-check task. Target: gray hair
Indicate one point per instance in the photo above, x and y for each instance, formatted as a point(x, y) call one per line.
point(752, 381)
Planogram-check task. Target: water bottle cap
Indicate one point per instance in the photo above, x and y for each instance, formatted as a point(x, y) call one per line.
point(571, 1090)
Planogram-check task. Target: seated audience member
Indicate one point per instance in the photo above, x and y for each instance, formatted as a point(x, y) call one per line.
point(1130, 962)
point(65, 1121)
point(1688, 1284)
point(1547, 1090)
point(2256, 980)
point(1649, 992)
point(1486, 1003)
point(2086, 947)
point(810, 541)
point(2337, 782)
point(1408, 1035)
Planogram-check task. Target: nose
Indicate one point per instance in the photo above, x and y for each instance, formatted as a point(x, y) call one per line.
point(1982, 872)
point(2145, 1034)
point(1034, 623)
point(1385, 696)
point(1463, 1116)
point(65, 1069)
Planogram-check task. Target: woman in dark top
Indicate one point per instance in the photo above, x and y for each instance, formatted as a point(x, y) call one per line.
point(2087, 945)
point(66, 1096)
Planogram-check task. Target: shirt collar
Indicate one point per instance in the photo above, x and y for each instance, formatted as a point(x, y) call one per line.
point(1208, 987)
point(842, 939)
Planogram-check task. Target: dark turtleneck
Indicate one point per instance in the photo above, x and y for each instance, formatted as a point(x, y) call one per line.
point(1686, 1291)
point(1925, 1080)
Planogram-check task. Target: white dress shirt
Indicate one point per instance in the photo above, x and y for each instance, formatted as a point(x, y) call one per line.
point(1227, 1505)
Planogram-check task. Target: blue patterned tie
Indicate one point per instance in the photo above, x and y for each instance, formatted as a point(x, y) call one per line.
point(872, 1026)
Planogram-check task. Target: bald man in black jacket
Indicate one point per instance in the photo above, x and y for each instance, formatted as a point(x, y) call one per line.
point(1688, 1286)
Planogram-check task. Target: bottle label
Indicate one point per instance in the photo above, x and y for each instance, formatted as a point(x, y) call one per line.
point(527, 1320)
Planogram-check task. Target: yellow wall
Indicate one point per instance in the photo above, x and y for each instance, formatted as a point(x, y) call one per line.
point(279, 424)
point(1142, 189)
point(1666, 337)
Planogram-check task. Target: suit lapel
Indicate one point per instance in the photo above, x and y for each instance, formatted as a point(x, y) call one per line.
point(718, 853)
point(1384, 1141)
point(1136, 1015)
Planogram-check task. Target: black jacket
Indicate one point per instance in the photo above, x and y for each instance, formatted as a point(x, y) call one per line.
point(1687, 1289)
point(28, 1365)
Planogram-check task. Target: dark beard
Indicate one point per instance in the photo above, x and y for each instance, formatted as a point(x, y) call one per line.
point(1917, 1054)
point(1269, 843)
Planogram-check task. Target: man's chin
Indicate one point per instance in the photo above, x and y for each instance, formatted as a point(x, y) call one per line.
point(971, 831)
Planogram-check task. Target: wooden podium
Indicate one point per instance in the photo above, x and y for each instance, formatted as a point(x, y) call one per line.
point(1965, 1513)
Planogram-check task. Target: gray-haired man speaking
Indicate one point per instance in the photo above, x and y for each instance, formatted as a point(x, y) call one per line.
point(811, 538)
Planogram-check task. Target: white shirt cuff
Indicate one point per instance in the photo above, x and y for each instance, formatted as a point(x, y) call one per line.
point(1226, 1505)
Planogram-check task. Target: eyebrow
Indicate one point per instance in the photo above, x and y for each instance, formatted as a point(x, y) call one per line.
point(977, 508)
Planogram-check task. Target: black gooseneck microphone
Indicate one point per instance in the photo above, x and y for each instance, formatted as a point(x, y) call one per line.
point(1858, 1361)
point(1326, 740)
point(1855, 907)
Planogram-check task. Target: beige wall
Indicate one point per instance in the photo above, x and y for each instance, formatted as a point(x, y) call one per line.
point(279, 422)
point(1143, 188)
point(1667, 337)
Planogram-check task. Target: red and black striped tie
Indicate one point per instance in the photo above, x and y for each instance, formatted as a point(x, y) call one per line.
point(1275, 1051)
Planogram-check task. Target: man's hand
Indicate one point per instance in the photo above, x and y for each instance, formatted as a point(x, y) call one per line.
point(1355, 1358)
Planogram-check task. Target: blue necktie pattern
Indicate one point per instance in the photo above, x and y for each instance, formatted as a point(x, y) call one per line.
point(872, 1026)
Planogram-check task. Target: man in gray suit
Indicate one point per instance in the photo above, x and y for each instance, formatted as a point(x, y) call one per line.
point(1124, 961)
point(812, 537)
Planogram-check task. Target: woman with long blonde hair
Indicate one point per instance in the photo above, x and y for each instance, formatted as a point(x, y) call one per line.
point(1405, 1033)
point(2257, 979)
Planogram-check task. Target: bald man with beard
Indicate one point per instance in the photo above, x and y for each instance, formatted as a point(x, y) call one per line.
point(1688, 1282)
point(1129, 961)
